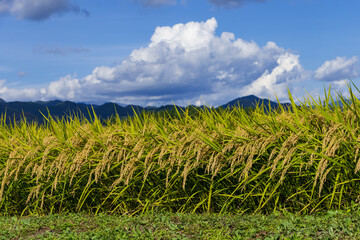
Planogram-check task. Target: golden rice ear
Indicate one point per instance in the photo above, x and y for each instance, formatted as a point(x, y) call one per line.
point(323, 179)
point(357, 168)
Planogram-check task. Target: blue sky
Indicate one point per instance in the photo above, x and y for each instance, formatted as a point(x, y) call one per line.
point(155, 52)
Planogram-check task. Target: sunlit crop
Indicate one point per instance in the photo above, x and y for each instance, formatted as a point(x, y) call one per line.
point(304, 159)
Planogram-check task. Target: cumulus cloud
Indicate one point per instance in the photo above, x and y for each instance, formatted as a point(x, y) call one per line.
point(338, 69)
point(232, 3)
point(185, 63)
point(190, 64)
point(61, 50)
point(10, 94)
point(288, 70)
point(38, 9)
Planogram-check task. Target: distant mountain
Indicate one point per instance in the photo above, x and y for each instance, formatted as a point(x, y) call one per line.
point(59, 109)
point(2, 101)
point(251, 101)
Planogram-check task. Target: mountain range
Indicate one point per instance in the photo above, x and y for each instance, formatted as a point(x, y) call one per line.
point(33, 110)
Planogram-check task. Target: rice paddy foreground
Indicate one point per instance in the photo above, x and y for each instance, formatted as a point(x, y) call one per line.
point(301, 160)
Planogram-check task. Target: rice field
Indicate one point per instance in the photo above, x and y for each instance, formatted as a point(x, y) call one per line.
point(300, 160)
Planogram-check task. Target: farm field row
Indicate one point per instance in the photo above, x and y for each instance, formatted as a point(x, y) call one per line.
point(300, 160)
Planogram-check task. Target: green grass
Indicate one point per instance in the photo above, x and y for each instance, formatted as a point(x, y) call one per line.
point(330, 225)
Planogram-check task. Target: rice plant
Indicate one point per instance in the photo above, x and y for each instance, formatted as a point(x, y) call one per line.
point(301, 159)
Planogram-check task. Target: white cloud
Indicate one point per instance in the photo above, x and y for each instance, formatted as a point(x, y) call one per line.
point(338, 69)
point(66, 88)
point(184, 63)
point(232, 3)
point(38, 9)
point(187, 64)
point(10, 94)
point(288, 70)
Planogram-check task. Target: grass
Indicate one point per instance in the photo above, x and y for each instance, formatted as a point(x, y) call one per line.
point(302, 160)
point(331, 225)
